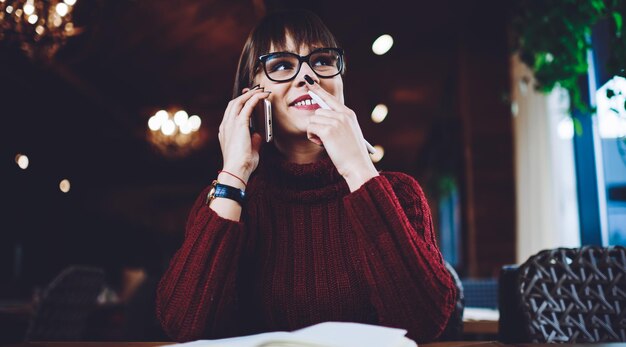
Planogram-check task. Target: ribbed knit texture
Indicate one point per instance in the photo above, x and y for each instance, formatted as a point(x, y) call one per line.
point(307, 251)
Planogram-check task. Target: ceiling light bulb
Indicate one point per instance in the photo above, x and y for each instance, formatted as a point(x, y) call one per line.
point(162, 115)
point(378, 155)
point(382, 44)
point(168, 128)
point(180, 117)
point(29, 8)
point(379, 113)
point(57, 21)
point(64, 185)
point(185, 128)
point(22, 161)
point(154, 123)
point(194, 122)
point(62, 9)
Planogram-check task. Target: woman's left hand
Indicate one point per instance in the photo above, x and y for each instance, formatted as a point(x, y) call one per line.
point(339, 131)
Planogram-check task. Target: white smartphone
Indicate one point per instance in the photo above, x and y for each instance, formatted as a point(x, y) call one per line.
point(261, 120)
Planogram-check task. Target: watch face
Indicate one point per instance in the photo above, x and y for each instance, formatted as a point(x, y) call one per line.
point(211, 196)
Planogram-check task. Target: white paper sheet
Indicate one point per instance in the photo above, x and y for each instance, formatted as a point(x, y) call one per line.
point(327, 334)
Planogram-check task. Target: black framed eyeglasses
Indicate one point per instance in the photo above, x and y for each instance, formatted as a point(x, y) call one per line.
point(285, 66)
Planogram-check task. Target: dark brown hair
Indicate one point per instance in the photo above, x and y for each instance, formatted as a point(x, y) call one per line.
point(304, 27)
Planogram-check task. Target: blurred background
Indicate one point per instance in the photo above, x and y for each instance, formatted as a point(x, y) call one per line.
point(110, 112)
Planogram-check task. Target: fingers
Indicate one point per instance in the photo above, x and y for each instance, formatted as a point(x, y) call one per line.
point(257, 141)
point(331, 119)
point(311, 133)
point(327, 124)
point(235, 105)
point(325, 116)
point(244, 95)
point(320, 127)
point(326, 96)
point(250, 95)
point(245, 90)
point(246, 111)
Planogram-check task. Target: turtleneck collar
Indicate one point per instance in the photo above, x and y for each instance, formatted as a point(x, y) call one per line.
point(305, 182)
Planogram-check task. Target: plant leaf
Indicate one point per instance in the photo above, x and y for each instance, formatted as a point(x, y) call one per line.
point(617, 17)
point(578, 127)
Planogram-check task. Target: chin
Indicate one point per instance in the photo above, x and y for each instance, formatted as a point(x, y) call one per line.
point(294, 134)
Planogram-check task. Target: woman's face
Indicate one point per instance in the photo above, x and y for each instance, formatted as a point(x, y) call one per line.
point(291, 120)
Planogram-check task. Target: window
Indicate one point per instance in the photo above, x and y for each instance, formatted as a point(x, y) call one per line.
point(611, 113)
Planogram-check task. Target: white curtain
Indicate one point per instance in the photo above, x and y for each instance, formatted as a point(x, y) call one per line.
point(547, 207)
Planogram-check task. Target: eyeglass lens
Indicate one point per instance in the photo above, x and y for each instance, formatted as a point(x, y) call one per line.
point(284, 66)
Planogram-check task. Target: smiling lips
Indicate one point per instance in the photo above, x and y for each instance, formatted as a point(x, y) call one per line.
point(305, 102)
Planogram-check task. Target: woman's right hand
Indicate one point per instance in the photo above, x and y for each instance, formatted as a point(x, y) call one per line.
point(240, 150)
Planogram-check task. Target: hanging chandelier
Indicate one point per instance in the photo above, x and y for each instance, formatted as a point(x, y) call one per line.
point(38, 27)
point(174, 133)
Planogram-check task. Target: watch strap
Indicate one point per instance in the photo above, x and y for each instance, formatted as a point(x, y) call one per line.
point(219, 190)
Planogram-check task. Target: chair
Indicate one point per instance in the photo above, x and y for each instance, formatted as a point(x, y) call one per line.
point(454, 328)
point(565, 295)
point(482, 293)
point(510, 328)
point(65, 305)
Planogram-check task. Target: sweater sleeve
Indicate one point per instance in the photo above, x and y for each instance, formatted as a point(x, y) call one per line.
point(197, 295)
point(409, 284)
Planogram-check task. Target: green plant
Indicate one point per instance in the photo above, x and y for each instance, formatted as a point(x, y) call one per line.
point(553, 37)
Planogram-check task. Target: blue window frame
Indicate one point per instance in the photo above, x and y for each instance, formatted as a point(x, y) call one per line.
point(601, 157)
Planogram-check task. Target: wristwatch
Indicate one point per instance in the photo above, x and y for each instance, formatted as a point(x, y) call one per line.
point(219, 190)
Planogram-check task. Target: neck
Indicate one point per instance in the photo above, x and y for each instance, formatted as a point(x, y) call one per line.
point(299, 151)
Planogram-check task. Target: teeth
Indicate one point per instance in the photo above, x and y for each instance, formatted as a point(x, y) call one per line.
point(305, 102)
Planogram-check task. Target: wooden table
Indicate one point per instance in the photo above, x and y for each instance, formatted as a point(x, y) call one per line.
point(488, 327)
point(480, 321)
point(155, 344)
point(436, 344)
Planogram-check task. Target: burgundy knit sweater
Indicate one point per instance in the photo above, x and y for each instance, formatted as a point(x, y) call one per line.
point(307, 251)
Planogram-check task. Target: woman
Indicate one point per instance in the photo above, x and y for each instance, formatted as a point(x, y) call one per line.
point(321, 235)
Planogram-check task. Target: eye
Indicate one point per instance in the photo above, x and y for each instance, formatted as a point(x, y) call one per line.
point(281, 63)
point(280, 66)
point(323, 61)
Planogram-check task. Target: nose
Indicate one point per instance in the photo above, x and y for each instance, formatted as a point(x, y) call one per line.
point(305, 69)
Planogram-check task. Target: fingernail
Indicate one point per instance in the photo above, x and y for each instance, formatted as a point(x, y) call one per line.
point(308, 79)
point(255, 87)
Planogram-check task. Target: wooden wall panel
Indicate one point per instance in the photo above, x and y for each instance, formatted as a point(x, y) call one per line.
point(489, 204)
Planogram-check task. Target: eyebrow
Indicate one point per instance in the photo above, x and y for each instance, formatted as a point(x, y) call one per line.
point(294, 52)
